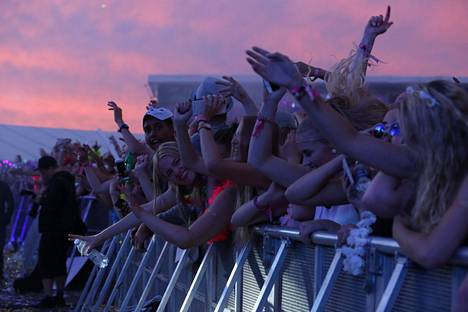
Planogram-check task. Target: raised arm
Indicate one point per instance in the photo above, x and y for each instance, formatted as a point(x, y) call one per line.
point(239, 172)
point(233, 88)
point(391, 159)
point(189, 157)
point(261, 145)
point(133, 144)
point(94, 182)
point(435, 248)
point(376, 26)
point(141, 174)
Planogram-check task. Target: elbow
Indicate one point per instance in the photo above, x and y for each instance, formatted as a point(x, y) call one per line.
point(185, 242)
point(293, 196)
point(429, 257)
point(380, 203)
point(212, 166)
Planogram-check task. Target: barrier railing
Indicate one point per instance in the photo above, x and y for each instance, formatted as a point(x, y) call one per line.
point(275, 272)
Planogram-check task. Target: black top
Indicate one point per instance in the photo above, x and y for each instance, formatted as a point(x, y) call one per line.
point(59, 208)
point(6, 203)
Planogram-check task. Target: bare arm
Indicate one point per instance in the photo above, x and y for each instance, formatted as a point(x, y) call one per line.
point(188, 155)
point(391, 159)
point(387, 196)
point(213, 221)
point(142, 176)
point(261, 146)
point(133, 144)
point(435, 249)
point(216, 165)
point(249, 213)
point(311, 183)
point(96, 185)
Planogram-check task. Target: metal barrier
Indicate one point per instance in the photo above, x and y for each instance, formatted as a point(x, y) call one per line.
point(275, 272)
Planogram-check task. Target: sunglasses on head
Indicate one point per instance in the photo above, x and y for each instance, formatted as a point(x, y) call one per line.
point(381, 129)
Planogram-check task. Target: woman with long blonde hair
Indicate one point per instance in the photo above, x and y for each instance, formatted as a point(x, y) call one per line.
point(434, 119)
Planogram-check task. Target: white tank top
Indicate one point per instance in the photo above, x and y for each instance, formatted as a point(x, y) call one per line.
point(342, 214)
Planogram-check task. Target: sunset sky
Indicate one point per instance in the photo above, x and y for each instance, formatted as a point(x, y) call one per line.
point(61, 60)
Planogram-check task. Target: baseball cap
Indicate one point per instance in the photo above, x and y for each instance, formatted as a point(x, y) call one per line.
point(46, 162)
point(160, 113)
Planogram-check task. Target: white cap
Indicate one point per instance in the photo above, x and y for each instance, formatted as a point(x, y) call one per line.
point(160, 113)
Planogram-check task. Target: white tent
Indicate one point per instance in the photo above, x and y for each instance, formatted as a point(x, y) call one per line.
point(27, 141)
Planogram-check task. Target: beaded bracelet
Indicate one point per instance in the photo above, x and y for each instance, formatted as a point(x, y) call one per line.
point(260, 124)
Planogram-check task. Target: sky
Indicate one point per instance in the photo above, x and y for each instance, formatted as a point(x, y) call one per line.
point(62, 60)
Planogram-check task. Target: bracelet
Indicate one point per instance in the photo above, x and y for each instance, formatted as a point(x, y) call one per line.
point(123, 126)
point(203, 125)
point(260, 124)
point(301, 91)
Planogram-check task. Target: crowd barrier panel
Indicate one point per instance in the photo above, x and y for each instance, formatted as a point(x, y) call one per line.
point(275, 272)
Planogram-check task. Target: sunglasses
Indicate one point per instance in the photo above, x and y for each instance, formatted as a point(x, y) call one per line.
point(382, 129)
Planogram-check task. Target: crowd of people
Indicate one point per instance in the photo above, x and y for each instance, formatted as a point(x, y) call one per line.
point(197, 179)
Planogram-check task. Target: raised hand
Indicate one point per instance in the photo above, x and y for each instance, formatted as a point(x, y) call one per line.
point(378, 24)
point(183, 112)
point(274, 67)
point(141, 164)
point(213, 104)
point(232, 88)
point(117, 112)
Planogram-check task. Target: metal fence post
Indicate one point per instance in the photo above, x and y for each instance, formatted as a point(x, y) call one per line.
point(152, 277)
point(272, 276)
point(197, 280)
point(140, 270)
point(327, 285)
point(394, 285)
point(115, 265)
point(120, 279)
point(234, 277)
point(172, 282)
point(97, 281)
point(85, 290)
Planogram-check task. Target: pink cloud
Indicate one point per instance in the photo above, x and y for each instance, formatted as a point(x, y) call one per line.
point(62, 60)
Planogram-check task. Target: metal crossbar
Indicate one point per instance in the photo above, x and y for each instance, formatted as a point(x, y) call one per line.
point(172, 282)
point(327, 285)
point(234, 277)
point(272, 276)
point(152, 277)
point(197, 280)
point(394, 285)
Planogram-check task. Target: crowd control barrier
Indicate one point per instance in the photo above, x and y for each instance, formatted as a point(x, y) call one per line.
point(271, 272)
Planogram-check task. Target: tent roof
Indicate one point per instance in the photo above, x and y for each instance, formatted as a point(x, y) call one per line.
point(27, 141)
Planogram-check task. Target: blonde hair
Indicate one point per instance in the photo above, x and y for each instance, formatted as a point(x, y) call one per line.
point(347, 78)
point(434, 122)
point(171, 149)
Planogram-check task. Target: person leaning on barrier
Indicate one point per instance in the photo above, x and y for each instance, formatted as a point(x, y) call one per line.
point(435, 130)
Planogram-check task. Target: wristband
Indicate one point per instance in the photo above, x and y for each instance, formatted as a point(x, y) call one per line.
point(260, 124)
point(301, 91)
point(204, 125)
point(123, 126)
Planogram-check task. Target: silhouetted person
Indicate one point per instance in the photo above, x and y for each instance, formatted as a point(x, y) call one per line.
point(6, 210)
point(58, 213)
